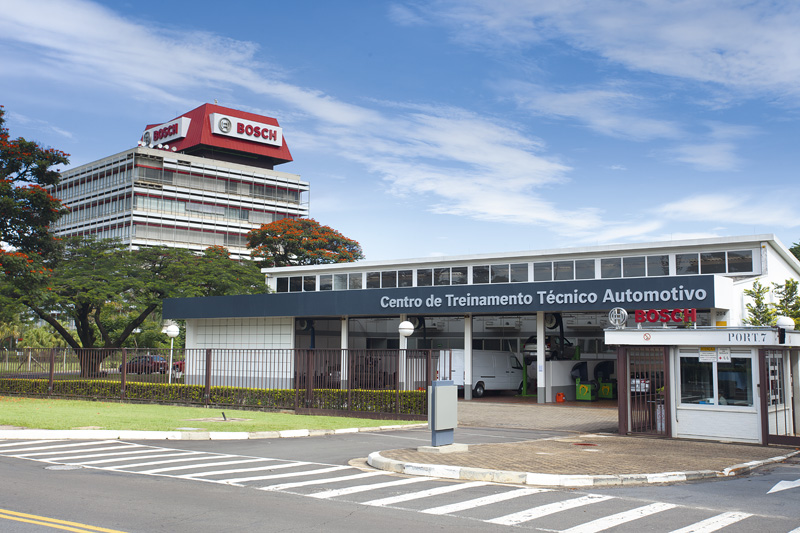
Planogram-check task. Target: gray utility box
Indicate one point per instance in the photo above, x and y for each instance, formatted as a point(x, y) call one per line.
point(442, 411)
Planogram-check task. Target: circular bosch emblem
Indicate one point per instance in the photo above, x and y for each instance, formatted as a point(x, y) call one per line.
point(618, 316)
point(225, 125)
point(147, 138)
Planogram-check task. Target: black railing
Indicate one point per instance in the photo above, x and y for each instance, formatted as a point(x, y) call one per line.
point(372, 383)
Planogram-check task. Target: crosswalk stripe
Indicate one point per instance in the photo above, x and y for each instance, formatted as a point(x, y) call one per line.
point(363, 488)
point(198, 465)
point(89, 456)
point(714, 523)
point(196, 457)
point(116, 448)
point(27, 443)
point(613, 520)
point(323, 481)
point(544, 510)
point(117, 459)
point(70, 445)
point(233, 470)
point(288, 474)
point(424, 493)
point(485, 500)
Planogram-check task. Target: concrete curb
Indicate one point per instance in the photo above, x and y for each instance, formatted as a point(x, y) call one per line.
point(106, 434)
point(376, 460)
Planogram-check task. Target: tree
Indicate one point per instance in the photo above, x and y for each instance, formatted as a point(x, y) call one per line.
point(788, 299)
point(760, 312)
point(300, 241)
point(26, 208)
point(108, 290)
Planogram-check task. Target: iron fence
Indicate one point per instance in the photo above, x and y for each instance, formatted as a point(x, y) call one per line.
point(371, 383)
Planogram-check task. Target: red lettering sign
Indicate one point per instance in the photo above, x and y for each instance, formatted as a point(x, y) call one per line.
point(665, 315)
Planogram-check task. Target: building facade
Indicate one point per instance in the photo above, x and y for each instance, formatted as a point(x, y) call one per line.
point(204, 178)
point(550, 308)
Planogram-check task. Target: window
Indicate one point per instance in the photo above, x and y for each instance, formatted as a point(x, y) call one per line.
point(373, 280)
point(296, 284)
point(424, 277)
point(480, 274)
point(611, 268)
point(354, 281)
point(658, 265)
point(340, 282)
point(458, 275)
point(519, 272)
point(542, 272)
point(686, 264)
point(584, 269)
point(309, 283)
point(633, 267)
point(441, 276)
point(389, 279)
point(325, 282)
point(499, 273)
point(717, 383)
point(564, 270)
point(282, 285)
point(741, 261)
point(712, 263)
point(405, 278)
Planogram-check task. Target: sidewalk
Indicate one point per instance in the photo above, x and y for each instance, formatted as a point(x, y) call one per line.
point(593, 456)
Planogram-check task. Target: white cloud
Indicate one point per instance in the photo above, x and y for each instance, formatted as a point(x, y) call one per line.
point(765, 209)
point(707, 157)
point(746, 45)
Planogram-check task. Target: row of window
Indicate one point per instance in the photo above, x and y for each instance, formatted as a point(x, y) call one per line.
point(73, 189)
point(176, 207)
point(716, 383)
point(726, 262)
point(179, 235)
point(94, 210)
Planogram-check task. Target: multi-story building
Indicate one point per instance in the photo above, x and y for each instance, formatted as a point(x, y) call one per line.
point(204, 178)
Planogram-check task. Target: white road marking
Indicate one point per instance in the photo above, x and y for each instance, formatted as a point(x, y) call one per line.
point(424, 493)
point(544, 510)
point(289, 474)
point(364, 488)
point(614, 520)
point(714, 523)
point(485, 500)
point(323, 481)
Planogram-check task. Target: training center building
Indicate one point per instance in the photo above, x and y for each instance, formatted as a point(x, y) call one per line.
point(202, 179)
point(665, 321)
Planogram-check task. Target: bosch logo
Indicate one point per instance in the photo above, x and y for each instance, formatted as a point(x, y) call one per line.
point(256, 131)
point(225, 125)
point(163, 133)
point(618, 316)
point(665, 315)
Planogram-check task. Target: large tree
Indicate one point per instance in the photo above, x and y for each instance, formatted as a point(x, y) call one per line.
point(108, 290)
point(26, 208)
point(301, 241)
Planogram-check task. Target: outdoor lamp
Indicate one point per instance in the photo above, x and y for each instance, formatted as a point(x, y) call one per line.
point(172, 331)
point(405, 328)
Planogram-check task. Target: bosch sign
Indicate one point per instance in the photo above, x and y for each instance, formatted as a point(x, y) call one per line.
point(169, 131)
point(665, 315)
point(246, 129)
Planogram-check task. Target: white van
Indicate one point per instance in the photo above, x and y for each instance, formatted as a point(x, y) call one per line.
point(491, 370)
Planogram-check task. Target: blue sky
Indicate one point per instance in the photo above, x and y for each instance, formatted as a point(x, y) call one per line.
point(450, 127)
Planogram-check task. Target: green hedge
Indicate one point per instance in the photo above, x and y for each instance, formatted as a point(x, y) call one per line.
point(357, 400)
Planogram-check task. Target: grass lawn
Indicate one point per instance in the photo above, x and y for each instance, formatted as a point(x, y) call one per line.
point(79, 414)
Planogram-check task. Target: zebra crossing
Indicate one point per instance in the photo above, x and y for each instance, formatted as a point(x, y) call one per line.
point(492, 503)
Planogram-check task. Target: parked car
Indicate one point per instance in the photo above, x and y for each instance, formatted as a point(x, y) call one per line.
point(146, 364)
point(179, 366)
point(552, 349)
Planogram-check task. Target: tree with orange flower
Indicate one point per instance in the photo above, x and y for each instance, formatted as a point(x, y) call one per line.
point(300, 241)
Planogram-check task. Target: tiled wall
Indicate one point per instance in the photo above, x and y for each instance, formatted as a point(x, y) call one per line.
point(239, 333)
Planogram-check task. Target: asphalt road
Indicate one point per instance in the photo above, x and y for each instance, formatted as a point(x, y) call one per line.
point(308, 484)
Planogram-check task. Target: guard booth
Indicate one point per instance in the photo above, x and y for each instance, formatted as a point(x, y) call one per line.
point(715, 383)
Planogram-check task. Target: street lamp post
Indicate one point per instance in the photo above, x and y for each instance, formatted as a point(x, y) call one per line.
point(172, 331)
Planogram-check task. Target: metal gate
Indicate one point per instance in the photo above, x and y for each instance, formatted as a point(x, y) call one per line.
point(644, 402)
point(780, 398)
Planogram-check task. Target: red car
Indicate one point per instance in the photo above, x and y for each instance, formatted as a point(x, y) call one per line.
point(146, 364)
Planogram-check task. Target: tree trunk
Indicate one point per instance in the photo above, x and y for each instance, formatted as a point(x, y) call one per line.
point(90, 360)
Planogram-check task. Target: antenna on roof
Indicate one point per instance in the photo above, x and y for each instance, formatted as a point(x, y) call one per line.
point(215, 101)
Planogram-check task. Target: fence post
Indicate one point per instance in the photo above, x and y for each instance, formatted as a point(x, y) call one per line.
point(397, 381)
point(207, 394)
point(52, 370)
point(124, 373)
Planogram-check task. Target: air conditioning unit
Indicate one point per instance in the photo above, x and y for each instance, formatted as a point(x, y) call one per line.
point(511, 323)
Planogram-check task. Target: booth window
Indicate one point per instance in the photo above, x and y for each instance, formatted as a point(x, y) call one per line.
point(480, 274)
point(717, 383)
point(584, 269)
point(542, 272)
point(424, 277)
